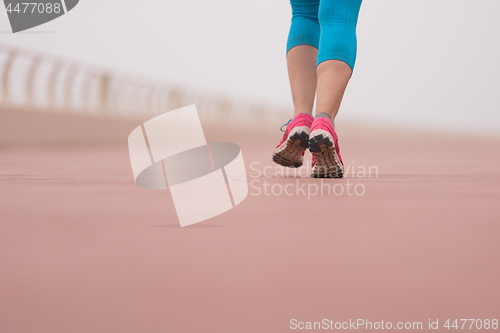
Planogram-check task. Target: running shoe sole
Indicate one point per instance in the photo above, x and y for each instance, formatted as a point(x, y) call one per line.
point(322, 147)
point(289, 154)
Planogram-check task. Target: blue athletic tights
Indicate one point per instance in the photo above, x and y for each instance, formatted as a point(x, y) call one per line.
point(328, 25)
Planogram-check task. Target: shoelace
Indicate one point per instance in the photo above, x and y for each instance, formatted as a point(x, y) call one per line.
point(285, 125)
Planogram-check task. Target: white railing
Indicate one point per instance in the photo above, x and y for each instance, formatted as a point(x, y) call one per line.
point(46, 83)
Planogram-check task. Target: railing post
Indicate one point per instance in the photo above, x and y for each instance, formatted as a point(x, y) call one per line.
point(68, 86)
point(6, 76)
point(143, 99)
point(53, 83)
point(151, 102)
point(104, 85)
point(175, 99)
point(224, 109)
point(30, 82)
point(89, 76)
point(164, 100)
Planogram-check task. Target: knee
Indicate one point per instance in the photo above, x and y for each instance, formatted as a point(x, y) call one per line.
point(305, 9)
point(304, 29)
point(338, 20)
point(339, 12)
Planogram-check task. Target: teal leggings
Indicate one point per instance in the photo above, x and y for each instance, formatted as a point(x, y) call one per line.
point(328, 25)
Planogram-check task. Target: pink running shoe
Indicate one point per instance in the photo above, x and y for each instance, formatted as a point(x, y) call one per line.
point(290, 151)
point(324, 146)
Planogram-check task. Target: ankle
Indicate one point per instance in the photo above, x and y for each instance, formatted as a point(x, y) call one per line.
point(323, 115)
point(297, 112)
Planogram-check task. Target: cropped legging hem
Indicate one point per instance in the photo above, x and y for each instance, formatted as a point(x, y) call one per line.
point(328, 25)
point(329, 56)
point(337, 56)
point(300, 44)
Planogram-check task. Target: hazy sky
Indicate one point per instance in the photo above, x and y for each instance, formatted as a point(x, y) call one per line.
point(426, 63)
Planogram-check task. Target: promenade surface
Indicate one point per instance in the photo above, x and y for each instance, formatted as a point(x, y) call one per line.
point(83, 249)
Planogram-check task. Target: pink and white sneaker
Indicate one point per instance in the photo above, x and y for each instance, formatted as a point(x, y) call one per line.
point(324, 146)
point(290, 151)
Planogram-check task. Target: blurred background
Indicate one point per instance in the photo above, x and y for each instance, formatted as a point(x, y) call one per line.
point(424, 65)
point(83, 249)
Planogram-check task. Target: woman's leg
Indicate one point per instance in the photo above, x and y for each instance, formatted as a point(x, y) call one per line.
point(336, 58)
point(337, 52)
point(333, 76)
point(301, 61)
point(302, 53)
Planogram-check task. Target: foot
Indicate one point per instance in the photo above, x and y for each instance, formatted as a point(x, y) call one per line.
point(290, 151)
point(324, 146)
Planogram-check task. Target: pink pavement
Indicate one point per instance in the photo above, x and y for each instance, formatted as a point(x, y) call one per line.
point(83, 249)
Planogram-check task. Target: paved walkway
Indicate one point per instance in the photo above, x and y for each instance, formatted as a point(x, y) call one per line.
point(82, 249)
